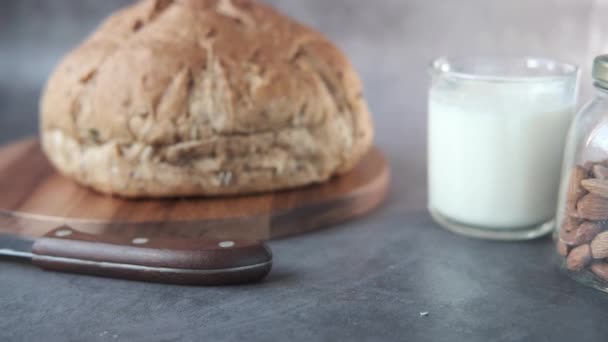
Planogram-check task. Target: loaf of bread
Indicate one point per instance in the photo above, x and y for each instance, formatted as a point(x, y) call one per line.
point(203, 97)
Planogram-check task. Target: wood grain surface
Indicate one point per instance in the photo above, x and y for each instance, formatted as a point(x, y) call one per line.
point(34, 199)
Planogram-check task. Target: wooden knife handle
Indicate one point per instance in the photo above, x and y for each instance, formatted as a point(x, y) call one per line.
point(172, 261)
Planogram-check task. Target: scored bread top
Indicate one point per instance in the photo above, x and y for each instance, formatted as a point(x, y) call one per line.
point(196, 79)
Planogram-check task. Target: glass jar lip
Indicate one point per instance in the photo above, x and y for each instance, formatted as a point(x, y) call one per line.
point(547, 69)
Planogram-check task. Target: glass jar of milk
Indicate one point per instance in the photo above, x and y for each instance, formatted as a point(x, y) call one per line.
point(497, 129)
point(582, 213)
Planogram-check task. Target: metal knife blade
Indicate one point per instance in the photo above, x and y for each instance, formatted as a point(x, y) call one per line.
point(15, 247)
point(173, 261)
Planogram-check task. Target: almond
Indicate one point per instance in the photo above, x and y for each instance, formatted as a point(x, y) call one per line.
point(600, 269)
point(593, 207)
point(596, 186)
point(567, 234)
point(579, 258)
point(562, 248)
point(571, 224)
point(575, 191)
point(599, 246)
point(600, 171)
point(586, 232)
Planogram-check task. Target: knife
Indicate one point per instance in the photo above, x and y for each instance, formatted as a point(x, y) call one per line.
point(170, 261)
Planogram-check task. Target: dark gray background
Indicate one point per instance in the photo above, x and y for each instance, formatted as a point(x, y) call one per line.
point(361, 281)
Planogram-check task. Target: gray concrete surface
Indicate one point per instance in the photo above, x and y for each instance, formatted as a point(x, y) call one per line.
point(367, 280)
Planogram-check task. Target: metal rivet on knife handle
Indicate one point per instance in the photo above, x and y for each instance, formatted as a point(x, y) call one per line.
point(140, 241)
point(226, 244)
point(63, 233)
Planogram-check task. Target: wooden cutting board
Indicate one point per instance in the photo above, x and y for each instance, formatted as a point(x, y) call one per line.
point(34, 199)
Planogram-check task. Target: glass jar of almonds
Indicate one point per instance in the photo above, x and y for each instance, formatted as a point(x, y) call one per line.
point(582, 214)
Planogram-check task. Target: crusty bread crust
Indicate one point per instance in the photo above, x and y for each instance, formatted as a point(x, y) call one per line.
point(203, 97)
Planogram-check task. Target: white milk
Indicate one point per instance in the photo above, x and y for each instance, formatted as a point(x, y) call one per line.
point(495, 151)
